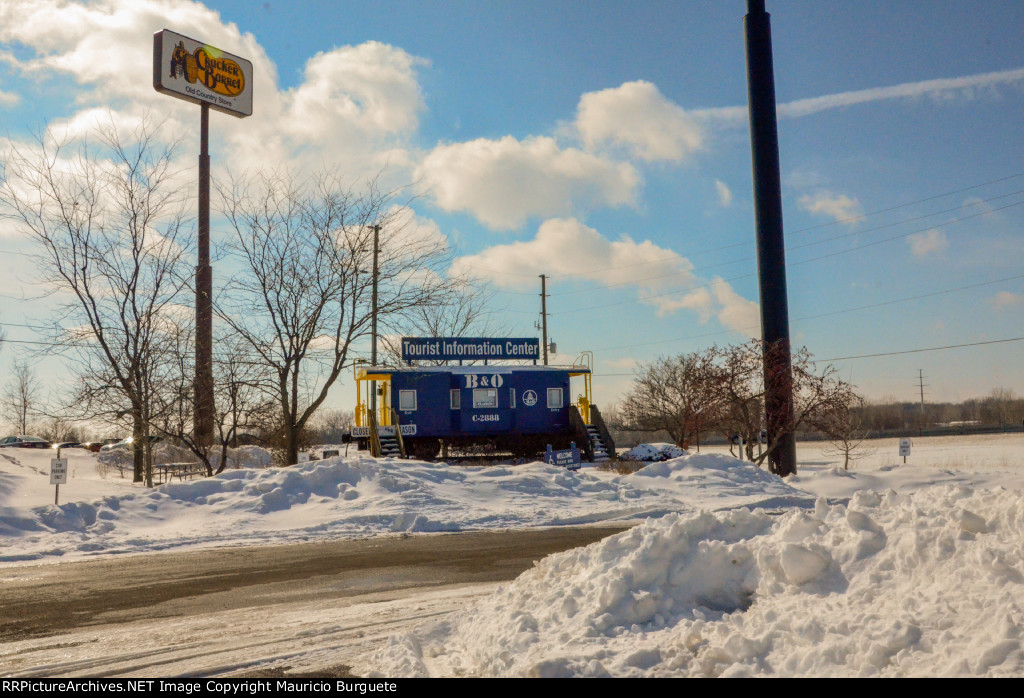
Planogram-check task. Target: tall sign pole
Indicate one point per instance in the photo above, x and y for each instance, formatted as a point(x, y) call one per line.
point(204, 414)
point(373, 316)
point(214, 79)
point(771, 251)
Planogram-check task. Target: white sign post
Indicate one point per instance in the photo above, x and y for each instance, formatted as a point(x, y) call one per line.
point(904, 448)
point(58, 474)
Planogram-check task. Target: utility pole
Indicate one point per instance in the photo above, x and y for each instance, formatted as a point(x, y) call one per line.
point(544, 314)
point(373, 319)
point(771, 251)
point(920, 382)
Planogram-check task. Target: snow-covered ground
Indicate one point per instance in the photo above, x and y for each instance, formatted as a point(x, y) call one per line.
point(885, 569)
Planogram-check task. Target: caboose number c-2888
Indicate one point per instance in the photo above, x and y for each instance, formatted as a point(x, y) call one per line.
point(519, 409)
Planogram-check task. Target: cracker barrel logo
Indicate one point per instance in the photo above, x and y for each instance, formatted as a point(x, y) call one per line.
point(221, 75)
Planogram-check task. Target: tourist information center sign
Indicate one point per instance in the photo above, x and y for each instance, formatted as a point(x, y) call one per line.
point(199, 73)
point(469, 348)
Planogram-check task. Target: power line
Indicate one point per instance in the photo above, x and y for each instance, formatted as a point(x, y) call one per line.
point(796, 263)
point(919, 351)
point(880, 354)
point(648, 279)
point(819, 226)
point(868, 306)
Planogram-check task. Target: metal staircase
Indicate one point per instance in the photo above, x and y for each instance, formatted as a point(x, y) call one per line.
point(389, 447)
point(386, 445)
point(599, 436)
point(597, 445)
point(593, 437)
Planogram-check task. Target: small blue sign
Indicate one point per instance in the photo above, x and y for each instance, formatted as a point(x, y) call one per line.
point(569, 458)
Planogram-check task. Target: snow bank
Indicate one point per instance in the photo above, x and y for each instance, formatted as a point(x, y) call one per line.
point(653, 452)
point(120, 460)
point(361, 496)
point(925, 584)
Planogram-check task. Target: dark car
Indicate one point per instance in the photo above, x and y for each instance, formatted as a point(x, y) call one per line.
point(24, 441)
point(125, 443)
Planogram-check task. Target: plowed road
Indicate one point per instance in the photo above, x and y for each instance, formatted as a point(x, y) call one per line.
point(305, 610)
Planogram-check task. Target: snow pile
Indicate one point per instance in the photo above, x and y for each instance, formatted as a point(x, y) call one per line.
point(248, 457)
point(718, 481)
point(362, 496)
point(930, 583)
point(653, 452)
point(121, 459)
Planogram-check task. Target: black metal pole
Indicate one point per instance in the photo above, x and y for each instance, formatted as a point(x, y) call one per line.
point(544, 313)
point(203, 420)
point(771, 251)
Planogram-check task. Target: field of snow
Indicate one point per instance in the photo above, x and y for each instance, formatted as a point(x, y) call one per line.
point(888, 569)
point(353, 496)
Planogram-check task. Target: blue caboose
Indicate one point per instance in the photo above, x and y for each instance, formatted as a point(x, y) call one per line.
point(519, 409)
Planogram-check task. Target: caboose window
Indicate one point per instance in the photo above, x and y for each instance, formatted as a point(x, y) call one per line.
point(455, 399)
point(407, 400)
point(485, 397)
point(554, 397)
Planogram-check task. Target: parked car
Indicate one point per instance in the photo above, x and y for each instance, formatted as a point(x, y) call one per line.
point(68, 444)
point(126, 443)
point(24, 441)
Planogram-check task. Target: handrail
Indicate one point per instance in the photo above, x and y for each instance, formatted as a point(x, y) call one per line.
point(582, 437)
point(583, 405)
point(375, 448)
point(398, 432)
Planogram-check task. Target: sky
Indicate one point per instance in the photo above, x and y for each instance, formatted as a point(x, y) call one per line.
point(606, 146)
point(885, 569)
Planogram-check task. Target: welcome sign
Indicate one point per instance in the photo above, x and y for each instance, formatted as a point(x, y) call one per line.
point(197, 72)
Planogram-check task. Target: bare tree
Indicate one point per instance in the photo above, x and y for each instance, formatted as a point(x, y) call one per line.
point(676, 394)
point(302, 297)
point(818, 394)
point(109, 219)
point(21, 396)
point(466, 311)
point(330, 426)
point(240, 399)
point(846, 433)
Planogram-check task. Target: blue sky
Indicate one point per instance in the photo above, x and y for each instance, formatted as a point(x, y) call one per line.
point(606, 145)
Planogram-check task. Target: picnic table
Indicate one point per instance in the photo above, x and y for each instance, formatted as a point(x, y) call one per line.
point(182, 471)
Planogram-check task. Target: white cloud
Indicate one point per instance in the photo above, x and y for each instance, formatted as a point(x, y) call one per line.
point(724, 193)
point(505, 182)
point(942, 89)
point(736, 312)
point(1006, 299)
point(566, 247)
point(839, 207)
point(626, 363)
point(967, 87)
point(9, 99)
point(929, 242)
point(638, 117)
point(355, 104)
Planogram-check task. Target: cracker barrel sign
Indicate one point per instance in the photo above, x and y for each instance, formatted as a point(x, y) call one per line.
point(199, 73)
